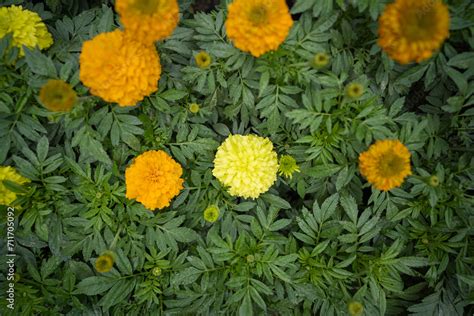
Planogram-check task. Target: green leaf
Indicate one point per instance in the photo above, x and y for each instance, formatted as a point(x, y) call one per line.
point(186, 276)
point(349, 205)
point(329, 206)
point(279, 224)
point(245, 308)
point(183, 234)
point(39, 63)
point(42, 149)
point(106, 21)
point(323, 171)
point(414, 262)
point(118, 292)
point(463, 60)
point(276, 201)
point(173, 94)
point(123, 263)
point(94, 285)
point(458, 79)
point(244, 206)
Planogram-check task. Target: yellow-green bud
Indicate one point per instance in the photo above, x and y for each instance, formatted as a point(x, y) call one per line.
point(211, 213)
point(434, 181)
point(194, 108)
point(355, 308)
point(354, 90)
point(320, 60)
point(250, 258)
point(156, 271)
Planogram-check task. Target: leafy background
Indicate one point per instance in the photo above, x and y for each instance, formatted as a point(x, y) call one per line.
point(309, 245)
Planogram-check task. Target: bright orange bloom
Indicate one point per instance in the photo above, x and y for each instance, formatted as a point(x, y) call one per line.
point(153, 179)
point(411, 30)
point(258, 26)
point(385, 164)
point(118, 69)
point(148, 20)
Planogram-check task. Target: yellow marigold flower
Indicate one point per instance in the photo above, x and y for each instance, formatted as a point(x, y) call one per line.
point(26, 28)
point(288, 166)
point(57, 96)
point(118, 69)
point(105, 262)
point(385, 164)
point(258, 26)
point(9, 173)
point(354, 90)
point(321, 60)
point(194, 108)
point(412, 30)
point(211, 213)
point(148, 20)
point(203, 60)
point(153, 179)
point(355, 308)
point(246, 164)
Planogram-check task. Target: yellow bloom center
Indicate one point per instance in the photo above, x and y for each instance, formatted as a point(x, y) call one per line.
point(320, 59)
point(258, 14)
point(104, 263)
point(434, 181)
point(419, 22)
point(203, 59)
point(391, 164)
point(355, 90)
point(147, 6)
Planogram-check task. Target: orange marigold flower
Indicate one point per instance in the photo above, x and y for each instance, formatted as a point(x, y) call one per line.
point(153, 179)
point(148, 20)
point(385, 164)
point(118, 69)
point(57, 96)
point(412, 30)
point(258, 26)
